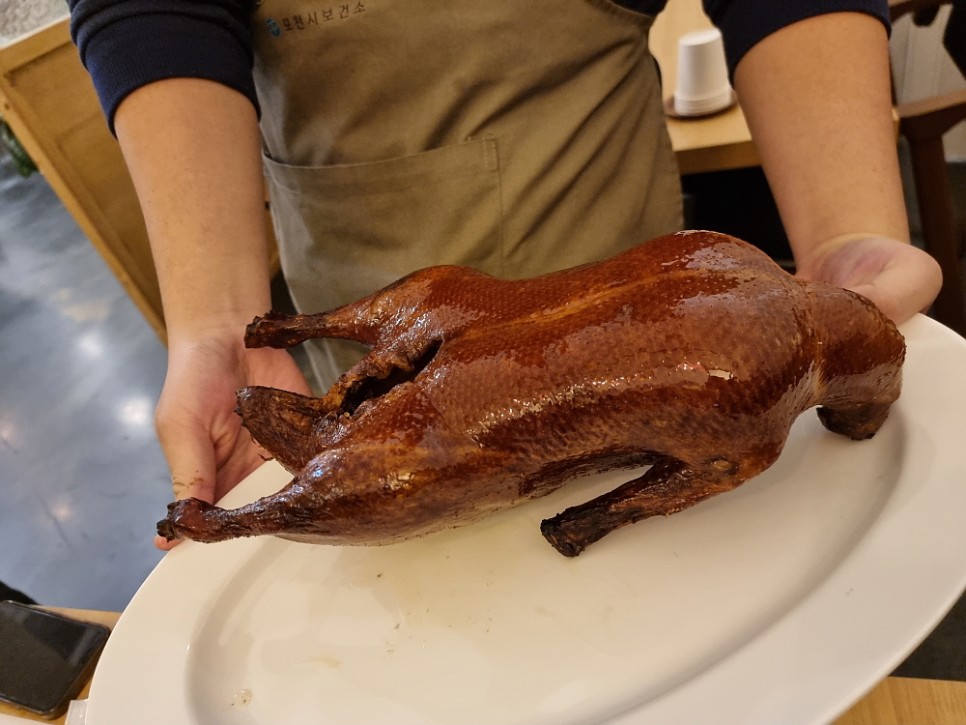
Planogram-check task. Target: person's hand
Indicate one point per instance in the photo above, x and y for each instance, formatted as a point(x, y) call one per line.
point(207, 448)
point(899, 278)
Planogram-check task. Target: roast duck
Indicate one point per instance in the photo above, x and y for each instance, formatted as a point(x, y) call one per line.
point(692, 354)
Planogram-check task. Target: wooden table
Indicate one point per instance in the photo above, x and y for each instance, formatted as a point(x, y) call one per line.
point(106, 618)
point(712, 143)
point(894, 701)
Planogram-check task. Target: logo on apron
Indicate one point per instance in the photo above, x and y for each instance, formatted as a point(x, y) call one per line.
point(313, 19)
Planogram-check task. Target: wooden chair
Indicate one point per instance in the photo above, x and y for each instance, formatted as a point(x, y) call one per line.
point(922, 123)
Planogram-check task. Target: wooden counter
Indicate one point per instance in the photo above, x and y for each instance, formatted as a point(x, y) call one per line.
point(908, 701)
point(48, 99)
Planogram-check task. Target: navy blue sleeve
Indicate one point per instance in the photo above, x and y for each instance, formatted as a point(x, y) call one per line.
point(125, 44)
point(130, 43)
point(744, 23)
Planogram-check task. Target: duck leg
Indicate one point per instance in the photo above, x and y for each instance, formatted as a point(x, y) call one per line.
point(665, 488)
point(858, 422)
point(275, 329)
point(293, 428)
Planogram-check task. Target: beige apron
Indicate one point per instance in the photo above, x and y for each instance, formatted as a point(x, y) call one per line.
point(515, 137)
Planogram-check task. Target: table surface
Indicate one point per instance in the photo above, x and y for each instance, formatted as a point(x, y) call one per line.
point(712, 143)
point(894, 701)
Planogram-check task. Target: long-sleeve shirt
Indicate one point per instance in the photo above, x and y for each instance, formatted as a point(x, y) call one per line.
point(125, 45)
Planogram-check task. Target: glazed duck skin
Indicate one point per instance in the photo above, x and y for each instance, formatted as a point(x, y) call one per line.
point(692, 353)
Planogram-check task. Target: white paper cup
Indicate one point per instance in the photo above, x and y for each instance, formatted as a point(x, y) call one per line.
point(702, 82)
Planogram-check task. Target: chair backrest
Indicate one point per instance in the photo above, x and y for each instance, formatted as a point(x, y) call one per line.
point(898, 8)
point(923, 123)
point(924, 12)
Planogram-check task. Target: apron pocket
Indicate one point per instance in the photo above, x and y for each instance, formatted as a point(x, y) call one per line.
point(346, 231)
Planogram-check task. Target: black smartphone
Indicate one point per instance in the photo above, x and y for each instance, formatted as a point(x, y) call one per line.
point(45, 657)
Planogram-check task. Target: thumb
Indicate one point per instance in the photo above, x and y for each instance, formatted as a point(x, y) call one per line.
point(899, 278)
point(191, 458)
point(899, 291)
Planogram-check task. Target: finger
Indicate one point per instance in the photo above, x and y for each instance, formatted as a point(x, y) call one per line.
point(191, 458)
point(899, 278)
point(905, 284)
point(899, 291)
point(164, 545)
point(192, 468)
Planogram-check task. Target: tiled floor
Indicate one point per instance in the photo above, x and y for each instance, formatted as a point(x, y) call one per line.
point(82, 475)
point(83, 479)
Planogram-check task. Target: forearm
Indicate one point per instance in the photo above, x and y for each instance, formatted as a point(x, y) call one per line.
point(817, 98)
point(193, 150)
